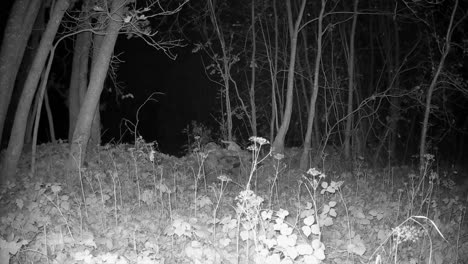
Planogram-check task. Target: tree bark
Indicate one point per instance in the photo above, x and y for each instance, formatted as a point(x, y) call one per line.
point(95, 136)
point(99, 70)
point(226, 71)
point(430, 90)
point(17, 31)
point(253, 65)
point(278, 144)
point(313, 98)
point(16, 141)
point(25, 66)
point(390, 55)
point(28, 135)
point(84, 69)
point(274, 81)
point(50, 118)
point(396, 100)
point(78, 78)
point(39, 99)
point(349, 118)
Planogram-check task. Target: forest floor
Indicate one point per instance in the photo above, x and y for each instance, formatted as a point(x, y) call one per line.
point(130, 204)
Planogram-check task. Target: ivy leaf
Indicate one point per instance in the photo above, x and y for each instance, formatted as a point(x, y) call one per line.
point(310, 220)
point(306, 230)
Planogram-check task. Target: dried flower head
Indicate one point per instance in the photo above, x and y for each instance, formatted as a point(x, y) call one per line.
point(259, 140)
point(314, 172)
point(224, 178)
point(252, 148)
point(407, 233)
point(278, 156)
point(428, 157)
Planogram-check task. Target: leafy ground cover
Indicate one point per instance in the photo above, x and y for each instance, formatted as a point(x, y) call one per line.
point(132, 204)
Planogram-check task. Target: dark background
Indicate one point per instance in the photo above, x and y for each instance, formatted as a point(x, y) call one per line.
point(185, 94)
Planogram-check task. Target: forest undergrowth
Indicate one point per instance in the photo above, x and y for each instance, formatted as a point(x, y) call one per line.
point(132, 204)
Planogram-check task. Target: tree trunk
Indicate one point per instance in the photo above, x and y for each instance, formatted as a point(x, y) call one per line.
point(349, 118)
point(28, 135)
point(225, 71)
point(78, 78)
point(227, 99)
point(16, 141)
point(430, 90)
point(25, 66)
point(253, 66)
point(317, 135)
point(387, 134)
point(98, 75)
point(17, 31)
point(299, 109)
point(39, 100)
point(396, 100)
point(313, 98)
point(50, 118)
point(95, 136)
point(278, 144)
point(84, 68)
point(274, 81)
